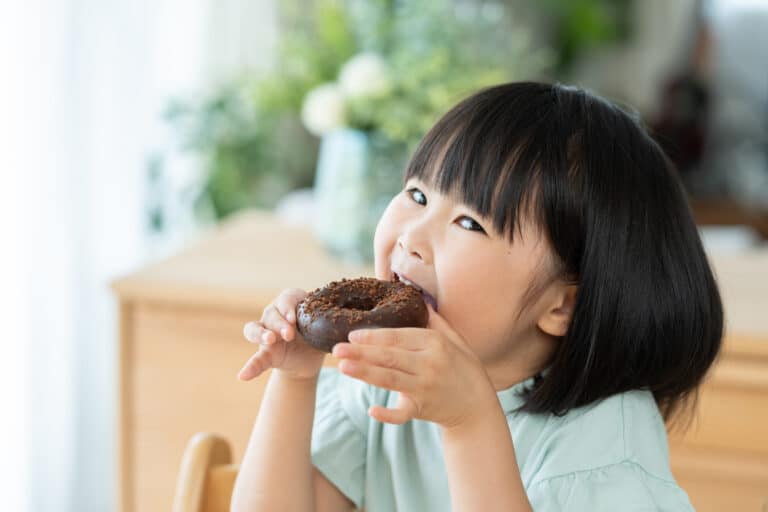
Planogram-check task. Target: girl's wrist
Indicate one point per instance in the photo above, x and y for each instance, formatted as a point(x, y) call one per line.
point(485, 409)
point(289, 376)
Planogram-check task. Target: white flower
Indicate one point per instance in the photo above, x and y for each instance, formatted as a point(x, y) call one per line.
point(323, 110)
point(365, 75)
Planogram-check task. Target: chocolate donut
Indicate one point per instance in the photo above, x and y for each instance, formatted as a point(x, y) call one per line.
point(327, 315)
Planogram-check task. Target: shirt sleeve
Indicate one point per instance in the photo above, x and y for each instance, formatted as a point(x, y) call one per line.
point(625, 486)
point(339, 432)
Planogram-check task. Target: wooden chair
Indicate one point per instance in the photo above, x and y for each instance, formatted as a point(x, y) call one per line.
point(207, 475)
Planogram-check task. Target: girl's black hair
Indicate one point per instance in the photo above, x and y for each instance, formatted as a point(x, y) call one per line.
point(648, 313)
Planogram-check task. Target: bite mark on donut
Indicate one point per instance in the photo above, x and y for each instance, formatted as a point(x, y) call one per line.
point(428, 298)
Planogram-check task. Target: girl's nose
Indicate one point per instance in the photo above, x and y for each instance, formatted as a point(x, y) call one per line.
point(414, 246)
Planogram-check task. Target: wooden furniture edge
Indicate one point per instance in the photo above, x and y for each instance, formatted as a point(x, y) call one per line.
point(124, 460)
point(164, 294)
point(748, 346)
point(743, 467)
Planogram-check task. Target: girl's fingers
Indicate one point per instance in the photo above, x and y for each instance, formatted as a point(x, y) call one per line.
point(274, 320)
point(407, 361)
point(408, 338)
point(405, 410)
point(255, 332)
point(277, 320)
point(385, 415)
point(255, 366)
point(287, 301)
point(386, 378)
point(252, 332)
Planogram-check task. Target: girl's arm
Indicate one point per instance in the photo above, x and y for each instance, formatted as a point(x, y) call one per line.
point(481, 464)
point(276, 472)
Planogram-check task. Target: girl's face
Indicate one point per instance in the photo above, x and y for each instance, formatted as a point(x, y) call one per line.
point(475, 276)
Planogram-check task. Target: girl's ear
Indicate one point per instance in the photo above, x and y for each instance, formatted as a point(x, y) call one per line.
point(557, 316)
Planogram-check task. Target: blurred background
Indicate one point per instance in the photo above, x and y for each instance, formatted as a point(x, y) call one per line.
point(130, 129)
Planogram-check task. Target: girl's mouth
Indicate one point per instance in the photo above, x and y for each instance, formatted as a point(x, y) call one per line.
point(429, 299)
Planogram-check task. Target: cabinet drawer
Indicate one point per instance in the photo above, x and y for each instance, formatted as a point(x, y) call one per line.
point(722, 460)
point(182, 381)
point(732, 409)
point(718, 480)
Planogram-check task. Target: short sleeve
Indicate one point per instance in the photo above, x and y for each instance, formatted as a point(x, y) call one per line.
point(624, 486)
point(339, 432)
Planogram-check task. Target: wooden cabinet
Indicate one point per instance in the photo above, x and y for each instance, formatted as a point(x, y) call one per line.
point(181, 345)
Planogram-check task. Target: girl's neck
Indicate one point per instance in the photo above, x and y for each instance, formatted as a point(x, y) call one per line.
point(526, 358)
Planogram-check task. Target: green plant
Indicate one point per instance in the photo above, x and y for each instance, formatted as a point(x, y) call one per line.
point(248, 133)
point(580, 25)
point(436, 52)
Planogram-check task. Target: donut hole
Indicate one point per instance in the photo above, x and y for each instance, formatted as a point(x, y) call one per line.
point(358, 302)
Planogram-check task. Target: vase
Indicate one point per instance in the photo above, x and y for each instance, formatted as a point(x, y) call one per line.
point(357, 175)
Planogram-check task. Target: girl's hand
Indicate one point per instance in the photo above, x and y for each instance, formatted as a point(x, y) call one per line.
point(281, 345)
point(438, 376)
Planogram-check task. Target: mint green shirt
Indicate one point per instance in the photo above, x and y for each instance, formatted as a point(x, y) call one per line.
point(607, 456)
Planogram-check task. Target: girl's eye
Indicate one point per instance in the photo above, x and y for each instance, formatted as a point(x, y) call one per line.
point(417, 195)
point(470, 224)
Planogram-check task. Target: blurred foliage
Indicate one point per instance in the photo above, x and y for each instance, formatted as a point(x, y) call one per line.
point(581, 25)
point(248, 133)
point(438, 53)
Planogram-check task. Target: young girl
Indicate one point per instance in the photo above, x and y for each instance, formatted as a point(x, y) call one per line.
point(575, 313)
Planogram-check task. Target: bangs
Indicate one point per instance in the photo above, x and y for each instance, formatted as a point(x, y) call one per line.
point(480, 155)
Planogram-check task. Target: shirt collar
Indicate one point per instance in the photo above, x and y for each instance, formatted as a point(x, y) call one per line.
point(512, 397)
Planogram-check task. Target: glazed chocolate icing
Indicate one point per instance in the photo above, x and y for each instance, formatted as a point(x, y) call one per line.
point(327, 315)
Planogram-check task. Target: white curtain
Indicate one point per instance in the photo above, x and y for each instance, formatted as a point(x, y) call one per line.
point(83, 83)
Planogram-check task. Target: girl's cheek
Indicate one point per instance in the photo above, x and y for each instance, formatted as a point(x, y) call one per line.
point(383, 243)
